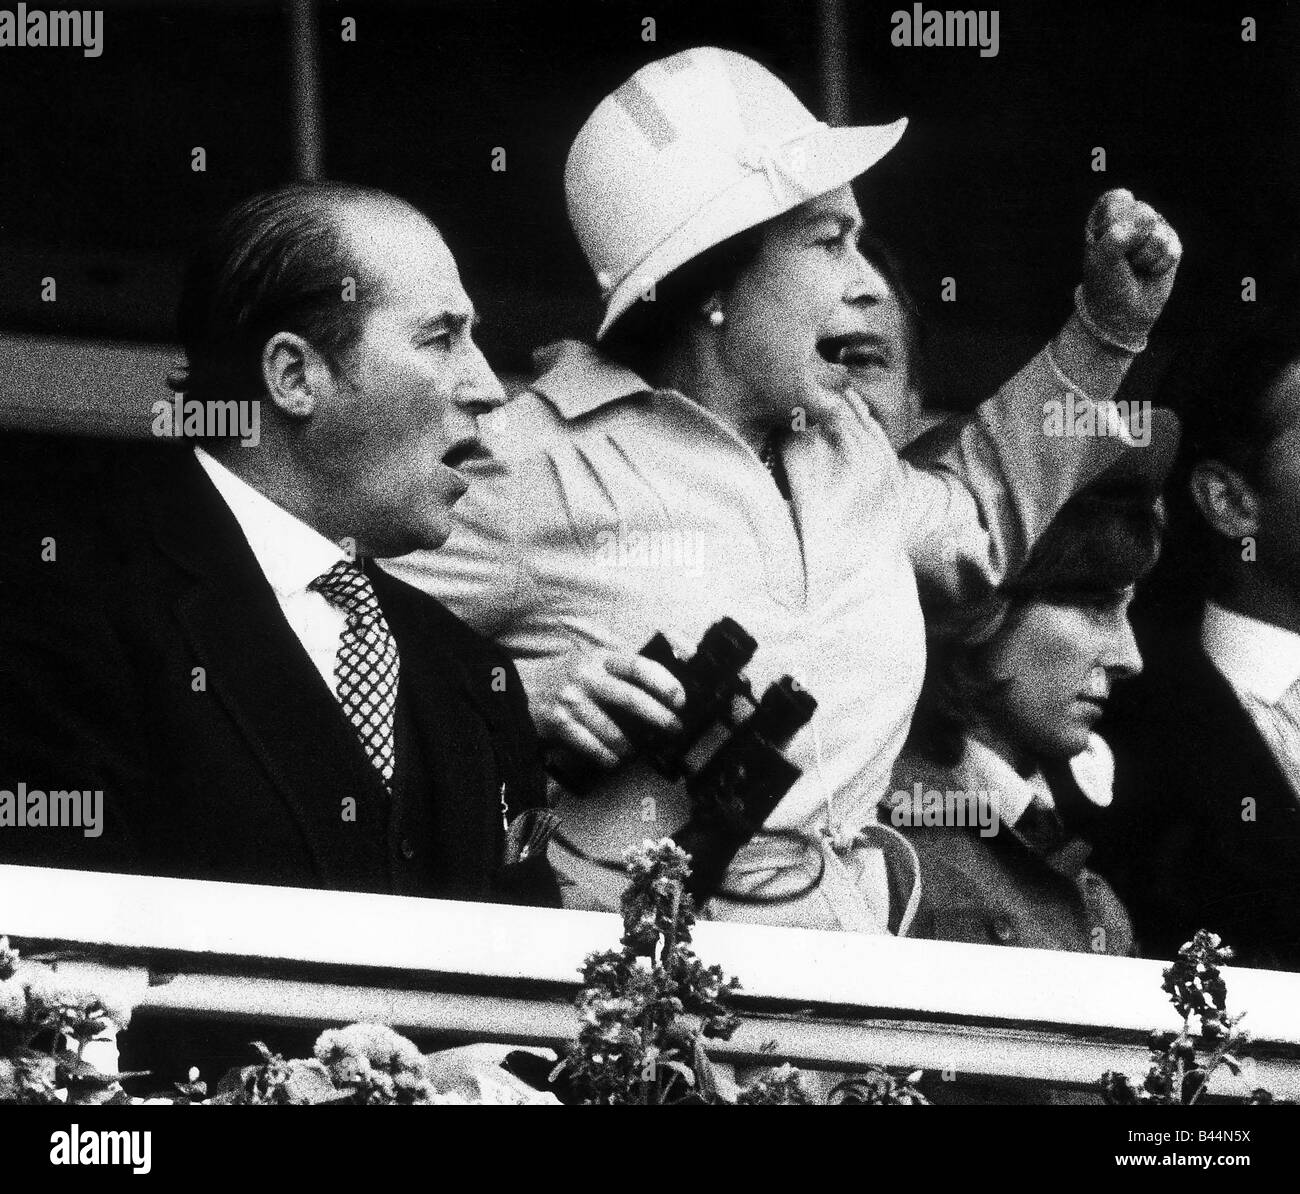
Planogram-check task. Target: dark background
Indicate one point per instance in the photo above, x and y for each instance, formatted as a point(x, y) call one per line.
point(990, 185)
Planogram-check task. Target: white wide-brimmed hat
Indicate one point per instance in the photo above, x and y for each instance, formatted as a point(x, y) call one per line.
point(691, 150)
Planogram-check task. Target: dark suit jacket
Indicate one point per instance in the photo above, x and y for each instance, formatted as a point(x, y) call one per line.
point(1182, 848)
point(150, 659)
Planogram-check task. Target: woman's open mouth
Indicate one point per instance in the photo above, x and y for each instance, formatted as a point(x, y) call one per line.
point(853, 357)
point(853, 350)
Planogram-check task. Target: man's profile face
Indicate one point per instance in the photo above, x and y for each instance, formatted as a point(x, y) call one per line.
point(402, 406)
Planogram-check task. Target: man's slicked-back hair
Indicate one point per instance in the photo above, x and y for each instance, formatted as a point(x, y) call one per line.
point(277, 262)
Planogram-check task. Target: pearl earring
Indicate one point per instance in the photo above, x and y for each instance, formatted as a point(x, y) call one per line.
point(716, 317)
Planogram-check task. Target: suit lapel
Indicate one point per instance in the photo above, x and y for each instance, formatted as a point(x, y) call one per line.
point(264, 678)
point(1239, 750)
point(454, 730)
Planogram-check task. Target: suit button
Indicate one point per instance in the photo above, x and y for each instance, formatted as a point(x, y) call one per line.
point(408, 850)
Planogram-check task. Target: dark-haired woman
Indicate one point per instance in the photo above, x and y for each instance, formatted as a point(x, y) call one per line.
point(716, 455)
point(1003, 776)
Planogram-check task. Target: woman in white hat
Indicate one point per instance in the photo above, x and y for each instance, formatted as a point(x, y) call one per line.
point(715, 455)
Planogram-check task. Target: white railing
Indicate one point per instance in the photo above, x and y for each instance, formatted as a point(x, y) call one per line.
point(490, 972)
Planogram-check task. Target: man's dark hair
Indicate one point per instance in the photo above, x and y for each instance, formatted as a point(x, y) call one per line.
point(1219, 389)
point(275, 263)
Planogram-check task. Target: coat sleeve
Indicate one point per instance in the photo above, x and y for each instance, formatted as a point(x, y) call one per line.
point(975, 496)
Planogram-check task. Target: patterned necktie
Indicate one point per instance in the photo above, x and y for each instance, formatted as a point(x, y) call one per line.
point(367, 664)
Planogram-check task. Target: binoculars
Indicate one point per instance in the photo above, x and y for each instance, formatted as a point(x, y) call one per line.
point(729, 750)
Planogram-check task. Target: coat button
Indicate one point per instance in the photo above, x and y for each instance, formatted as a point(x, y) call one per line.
point(1003, 929)
point(408, 850)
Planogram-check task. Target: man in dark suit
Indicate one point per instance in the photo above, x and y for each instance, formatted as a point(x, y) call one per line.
point(1206, 825)
point(197, 632)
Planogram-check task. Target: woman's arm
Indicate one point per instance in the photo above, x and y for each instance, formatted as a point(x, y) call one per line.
point(975, 497)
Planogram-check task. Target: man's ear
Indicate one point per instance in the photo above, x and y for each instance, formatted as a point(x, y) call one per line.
point(291, 372)
point(1226, 500)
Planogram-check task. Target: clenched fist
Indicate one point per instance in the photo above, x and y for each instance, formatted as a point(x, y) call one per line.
point(1130, 259)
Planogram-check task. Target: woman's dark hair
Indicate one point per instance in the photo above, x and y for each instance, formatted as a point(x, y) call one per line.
point(1102, 541)
point(278, 262)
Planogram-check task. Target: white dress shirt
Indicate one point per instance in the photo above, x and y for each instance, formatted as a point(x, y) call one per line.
point(1262, 664)
point(291, 555)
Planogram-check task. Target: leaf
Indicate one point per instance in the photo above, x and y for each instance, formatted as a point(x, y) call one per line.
point(705, 1072)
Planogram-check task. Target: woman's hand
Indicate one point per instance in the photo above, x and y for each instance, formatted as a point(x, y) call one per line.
point(1130, 259)
point(573, 701)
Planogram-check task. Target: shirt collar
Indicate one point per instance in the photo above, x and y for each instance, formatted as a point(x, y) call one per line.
point(1255, 657)
point(1010, 793)
point(291, 554)
point(576, 379)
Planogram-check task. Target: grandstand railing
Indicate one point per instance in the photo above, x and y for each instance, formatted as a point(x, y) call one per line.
point(278, 955)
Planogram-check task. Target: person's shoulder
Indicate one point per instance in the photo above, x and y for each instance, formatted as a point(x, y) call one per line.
point(914, 766)
point(575, 392)
point(84, 502)
point(48, 466)
point(914, 805)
